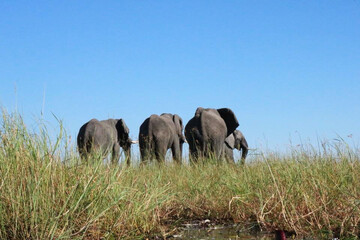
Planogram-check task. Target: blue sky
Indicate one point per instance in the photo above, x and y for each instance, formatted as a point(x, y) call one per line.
point(286, 68)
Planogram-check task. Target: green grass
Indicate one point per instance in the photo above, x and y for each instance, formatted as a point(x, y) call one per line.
point(47, 193)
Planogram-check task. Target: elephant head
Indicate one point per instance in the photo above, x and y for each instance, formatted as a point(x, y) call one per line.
point(236, 140)
point(123, 138)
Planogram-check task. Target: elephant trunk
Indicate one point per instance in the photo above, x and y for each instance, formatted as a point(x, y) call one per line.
point(245, 149)
point(244, 154)
point(242, 145)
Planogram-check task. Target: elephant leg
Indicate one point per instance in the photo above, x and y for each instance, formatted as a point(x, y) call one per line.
point(85, 149)
point(204, 150)
point(211, 151)
point(218, 149)
point(193, 152)
point(144, 154)
point(145, 149)
point(83, 154)
point(115, 154)
point(175, 149)
point(160, 152)
point(230, 160)
point(229, 155)
point(194, 157)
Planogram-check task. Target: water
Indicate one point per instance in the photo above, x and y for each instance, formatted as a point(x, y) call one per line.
point(219, 232)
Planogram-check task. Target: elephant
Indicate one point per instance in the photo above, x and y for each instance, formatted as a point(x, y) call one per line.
point(207, 130)
point(105, 136)
point(159, 133)
point(235, 140)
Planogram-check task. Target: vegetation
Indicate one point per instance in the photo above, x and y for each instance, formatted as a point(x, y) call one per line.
point(47, 193)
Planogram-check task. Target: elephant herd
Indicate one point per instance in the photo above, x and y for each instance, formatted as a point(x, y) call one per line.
point(210, 133)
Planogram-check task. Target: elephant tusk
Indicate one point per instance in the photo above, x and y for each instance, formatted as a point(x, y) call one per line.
point(134, 142)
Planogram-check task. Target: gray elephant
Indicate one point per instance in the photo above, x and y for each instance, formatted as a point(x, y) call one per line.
point(207, 130)
point(105, 136)
point(236, 140)
point(159, 133)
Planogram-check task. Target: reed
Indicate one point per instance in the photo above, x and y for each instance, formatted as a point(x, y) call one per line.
point(46, 192)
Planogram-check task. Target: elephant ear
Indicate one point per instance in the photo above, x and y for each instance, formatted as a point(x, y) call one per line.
point(229, 118)
point(122, 129)
point(230, 141)
point(178, 124)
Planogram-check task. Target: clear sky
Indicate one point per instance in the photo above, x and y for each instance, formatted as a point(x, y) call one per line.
point(287, 68)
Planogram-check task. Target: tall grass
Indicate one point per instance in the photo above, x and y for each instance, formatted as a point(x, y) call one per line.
point(46, 192)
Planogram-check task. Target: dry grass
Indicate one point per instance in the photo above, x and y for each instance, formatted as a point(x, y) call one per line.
point(46, 193)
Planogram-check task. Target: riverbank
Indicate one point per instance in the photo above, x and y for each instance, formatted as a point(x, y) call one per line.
point(46, 192)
